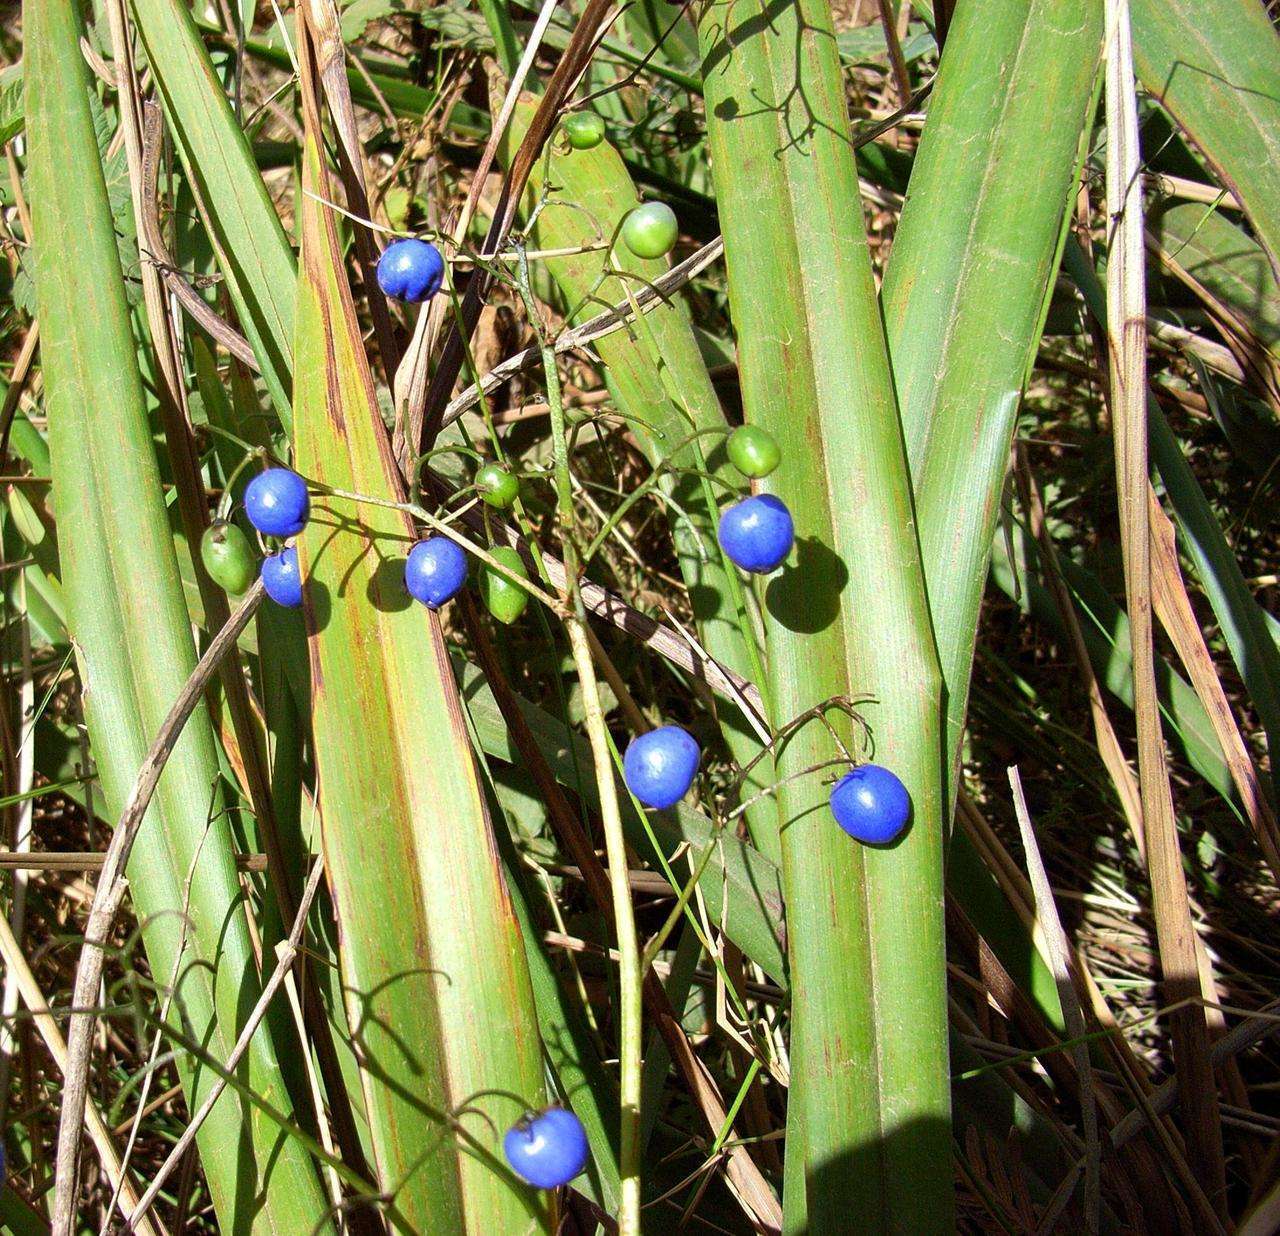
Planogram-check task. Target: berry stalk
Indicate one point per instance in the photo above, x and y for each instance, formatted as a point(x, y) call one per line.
point(629, 971)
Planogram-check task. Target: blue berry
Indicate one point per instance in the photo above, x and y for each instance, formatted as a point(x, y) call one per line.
point(547, 1150)
point(277, 503)
point(659, 766)
point(410, 270)
point(282, 578)
point(871, 804)
point(757, 533)
point(435, 570)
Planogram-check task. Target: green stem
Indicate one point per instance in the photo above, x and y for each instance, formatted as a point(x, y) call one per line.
point(629, 971)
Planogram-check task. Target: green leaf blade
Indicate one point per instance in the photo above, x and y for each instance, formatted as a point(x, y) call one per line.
point(438, 992)
point(869, 1102)
point(132, 637)
point(1214, 67)
point(965, 289)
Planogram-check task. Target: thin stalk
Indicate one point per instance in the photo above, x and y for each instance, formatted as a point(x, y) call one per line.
point(629, 971)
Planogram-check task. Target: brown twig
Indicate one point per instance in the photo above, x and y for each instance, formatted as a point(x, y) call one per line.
point(90, 860)
point(157, 252)
point(902, 79)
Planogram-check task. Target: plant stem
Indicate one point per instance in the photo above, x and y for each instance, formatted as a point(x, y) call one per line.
point(629, 971)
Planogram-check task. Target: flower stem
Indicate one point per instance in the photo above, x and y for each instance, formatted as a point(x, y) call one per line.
point(629, 971)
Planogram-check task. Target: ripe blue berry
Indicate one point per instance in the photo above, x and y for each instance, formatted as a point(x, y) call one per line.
point(435, 570)
point(282, 578)
point(757, 533)
point(659, 766)
point(548, 1150)
point(410, 270)
point(277, 503)
point(871, 804)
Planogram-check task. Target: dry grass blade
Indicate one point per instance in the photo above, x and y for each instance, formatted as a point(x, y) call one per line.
point(1060, 958)
point(16, 965)
point(1173, 608)
point(1127, 316)
point(1113, 756)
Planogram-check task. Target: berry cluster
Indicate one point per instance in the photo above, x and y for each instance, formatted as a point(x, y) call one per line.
point(548, 1149)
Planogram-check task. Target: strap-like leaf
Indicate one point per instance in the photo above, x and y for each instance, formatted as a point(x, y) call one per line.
point(129, 623)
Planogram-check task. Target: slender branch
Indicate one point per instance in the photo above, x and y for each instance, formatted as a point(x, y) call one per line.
point(155, 250)
point(631, 1042)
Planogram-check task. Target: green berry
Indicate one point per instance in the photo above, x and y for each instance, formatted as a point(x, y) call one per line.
point(650, 230)
point(584, 130)
point(505, 600)
point(498, 487)
point(753, 451)
point(228, 557)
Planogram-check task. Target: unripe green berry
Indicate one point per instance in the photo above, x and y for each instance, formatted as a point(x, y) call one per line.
point(753, 451)
point(498, 487)
point(228, 557)
point(504, 599)
point(584, 130)
point(650, 231)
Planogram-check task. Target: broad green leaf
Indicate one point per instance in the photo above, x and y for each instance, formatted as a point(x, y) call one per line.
point(132, 638)
point(868, 1118)
point(433, 961)
point(357, 14)
point(252, 250)
point(866, 44)
point(1214, 67)
point(966, 287)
